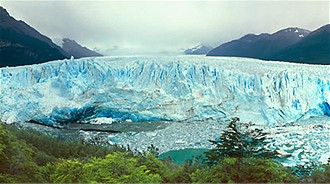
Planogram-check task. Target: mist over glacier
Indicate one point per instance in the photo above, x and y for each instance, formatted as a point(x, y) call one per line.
point(181, 88)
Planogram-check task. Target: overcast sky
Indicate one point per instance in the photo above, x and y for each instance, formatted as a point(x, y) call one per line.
point(151, 27)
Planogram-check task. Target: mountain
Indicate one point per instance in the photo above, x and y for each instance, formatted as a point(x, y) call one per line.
point(313, 49)
point(20, 44)
point(198, 50)
point(261, 46)
point(76, 50)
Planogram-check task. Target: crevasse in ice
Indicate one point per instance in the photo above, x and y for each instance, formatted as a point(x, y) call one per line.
point(170, 88)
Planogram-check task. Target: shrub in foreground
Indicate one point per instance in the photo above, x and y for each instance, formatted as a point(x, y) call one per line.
point(243, 170)
point(117, 167)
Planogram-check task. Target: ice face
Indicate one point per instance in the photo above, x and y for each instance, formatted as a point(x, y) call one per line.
point(164, 88)
point(195, 95)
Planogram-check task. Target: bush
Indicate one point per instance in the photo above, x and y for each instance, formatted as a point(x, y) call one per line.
point(117, 167)
point(16, 159)
point(243, 170)
point(321, 174)
point(313, 173)
point(55, 148)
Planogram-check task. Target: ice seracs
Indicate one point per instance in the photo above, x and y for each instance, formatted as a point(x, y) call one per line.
point(164, 88)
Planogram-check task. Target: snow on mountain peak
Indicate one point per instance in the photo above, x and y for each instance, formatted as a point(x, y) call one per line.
point(196, 48)
point(199, 49)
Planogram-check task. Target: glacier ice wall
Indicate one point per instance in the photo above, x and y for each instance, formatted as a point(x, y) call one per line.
point(180, 88)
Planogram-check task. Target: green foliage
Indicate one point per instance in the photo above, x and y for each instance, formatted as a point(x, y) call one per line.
point(24, 157)
point(117, 167)
point(167, 170)
point(188, 168)
point(50, 148)
point(243, 170)
point(321, 174)
point(313, 172)
point(67, 171)
point(5, 140)
point(153, 150)
point(22, 152)
point(16, 160)
point(239, 142)
point(7, 178)
point(124, 169)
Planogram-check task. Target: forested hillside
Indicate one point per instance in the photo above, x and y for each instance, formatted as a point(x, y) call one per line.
point(30, 156)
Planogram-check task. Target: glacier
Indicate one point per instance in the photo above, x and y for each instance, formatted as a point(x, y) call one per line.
point(189, 90)
point(165, 88)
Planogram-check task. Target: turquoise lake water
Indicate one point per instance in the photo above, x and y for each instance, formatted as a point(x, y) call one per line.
point(180, 156)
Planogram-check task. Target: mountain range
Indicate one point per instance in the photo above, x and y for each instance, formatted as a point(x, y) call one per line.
point(76, 50)
point(21, 44)
point(200, 49)
point(291, 44)
point(313, 49)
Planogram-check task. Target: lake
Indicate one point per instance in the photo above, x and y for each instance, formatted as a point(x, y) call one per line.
point(180, 156)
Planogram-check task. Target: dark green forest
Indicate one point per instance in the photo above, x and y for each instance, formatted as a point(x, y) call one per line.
point(30, 156)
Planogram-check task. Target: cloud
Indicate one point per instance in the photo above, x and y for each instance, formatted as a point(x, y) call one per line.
point(116, 27)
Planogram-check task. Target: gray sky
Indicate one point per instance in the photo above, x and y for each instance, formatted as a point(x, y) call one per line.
point(151, 27)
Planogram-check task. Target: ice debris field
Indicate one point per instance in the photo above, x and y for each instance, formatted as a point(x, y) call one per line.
point(197, 95)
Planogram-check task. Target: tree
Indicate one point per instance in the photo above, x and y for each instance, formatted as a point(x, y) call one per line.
point(313, 172)
point(239, 142)
point(321, 174)
point(68, 171)
point(16, 159)
point(243, 170)
point(117, 167)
